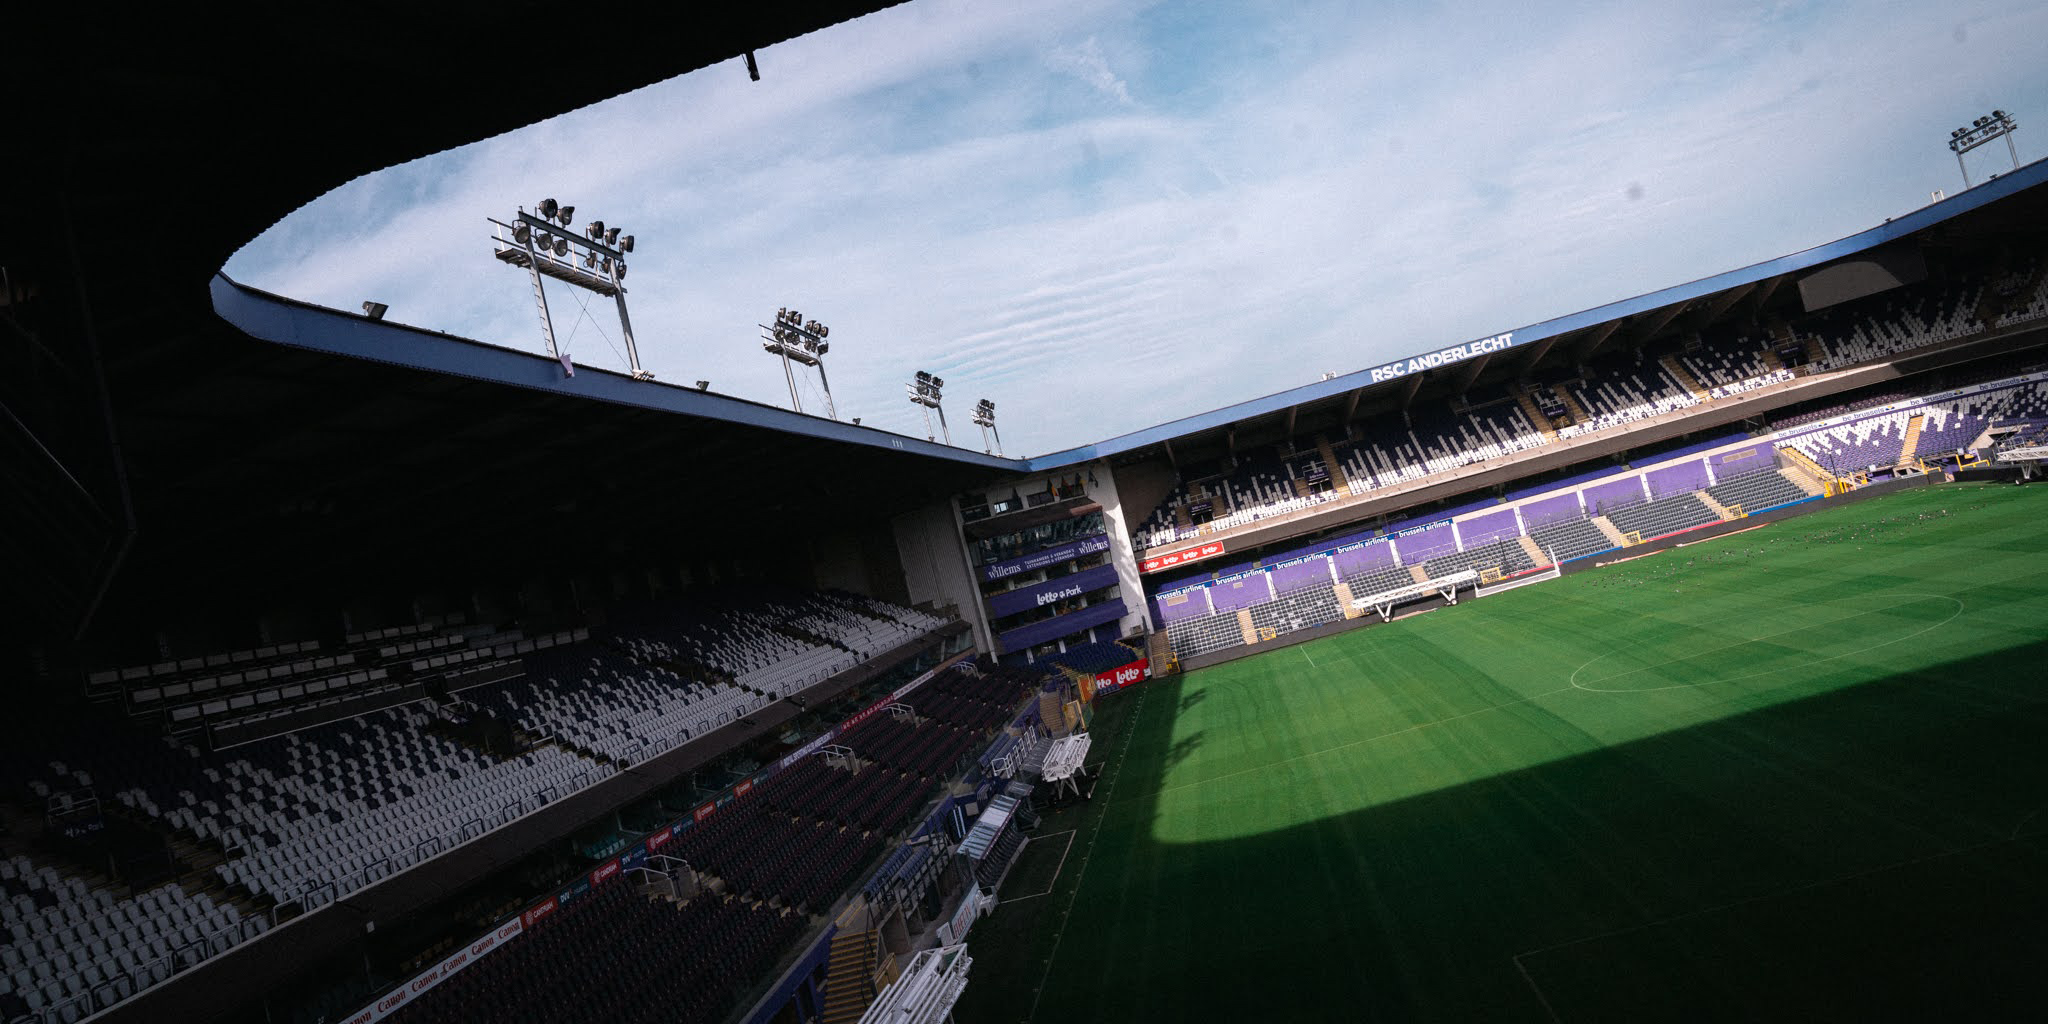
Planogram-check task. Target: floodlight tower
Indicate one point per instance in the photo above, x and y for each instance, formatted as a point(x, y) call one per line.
point(544, 243)
point(985, 418)
point(924, 391)
point(804, 342)
point(1996, 125)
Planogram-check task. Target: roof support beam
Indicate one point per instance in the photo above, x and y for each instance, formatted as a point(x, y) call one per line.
point(1351, 408)
point(1764, 290)
point(1654, 323)
point(1471, 372)
point(1595, 337)
point(1720, 305)
point(1292, 411)
point(1409, 388)
point(1536, 354)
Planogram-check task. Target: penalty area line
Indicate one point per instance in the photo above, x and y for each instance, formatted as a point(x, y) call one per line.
point(1054, 883)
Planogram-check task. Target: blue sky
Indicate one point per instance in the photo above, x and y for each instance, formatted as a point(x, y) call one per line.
point(1106, 215)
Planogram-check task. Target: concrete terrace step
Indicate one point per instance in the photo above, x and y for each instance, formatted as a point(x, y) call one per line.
point(1607, 530)
point(1718, 508)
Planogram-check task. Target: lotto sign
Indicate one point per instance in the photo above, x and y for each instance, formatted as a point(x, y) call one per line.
point(1122, 676)
point(1182, 557)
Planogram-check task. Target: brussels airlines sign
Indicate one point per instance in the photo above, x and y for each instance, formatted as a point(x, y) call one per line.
point(1442, 357)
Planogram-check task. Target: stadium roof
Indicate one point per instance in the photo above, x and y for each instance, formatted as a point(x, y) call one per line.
point(2009, 200)
point(171, 143)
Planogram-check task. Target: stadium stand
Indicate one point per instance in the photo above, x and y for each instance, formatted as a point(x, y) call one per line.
point(1757, 491)
point(687, 961)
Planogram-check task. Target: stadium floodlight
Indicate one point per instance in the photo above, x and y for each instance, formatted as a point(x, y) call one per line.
point(797, 340)
point(1996, 125)
point(543, 244)
point(985, 418)
point(375, 310)
point(925, 390)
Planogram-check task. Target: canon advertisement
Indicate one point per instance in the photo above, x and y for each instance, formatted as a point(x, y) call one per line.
point(1040, 559)
point(1038, 595)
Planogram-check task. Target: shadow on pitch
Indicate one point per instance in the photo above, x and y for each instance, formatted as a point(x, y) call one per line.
point(1849, 855)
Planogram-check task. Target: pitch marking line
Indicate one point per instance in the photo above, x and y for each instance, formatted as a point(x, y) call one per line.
point(1049, 886)
point(1911, 599)
point(1130, 730)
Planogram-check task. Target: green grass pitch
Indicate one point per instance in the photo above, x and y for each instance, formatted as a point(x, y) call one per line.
point(1798, 773)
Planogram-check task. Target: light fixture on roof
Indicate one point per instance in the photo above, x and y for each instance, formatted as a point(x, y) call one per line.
point(1996, 125)
point(794, 339)
point(703, 385)
point(375, 310)
point(925, 390)
point(985, 418)
point(545, 245)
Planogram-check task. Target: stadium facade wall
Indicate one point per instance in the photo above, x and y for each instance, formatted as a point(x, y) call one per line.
point(935, 568)
point(1107, 489)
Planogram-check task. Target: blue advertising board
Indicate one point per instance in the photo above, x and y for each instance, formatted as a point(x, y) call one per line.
point(1040, 559)
point(1038, 595)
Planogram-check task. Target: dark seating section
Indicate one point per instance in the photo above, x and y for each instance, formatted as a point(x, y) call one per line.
point(1099, 656)
point(1614, 390)
point(617, 957)
point(1570, 538)
point(1506, 555)
point(310, 802)
point(1757, 491)
point(1665, 515)
point(1298, 609)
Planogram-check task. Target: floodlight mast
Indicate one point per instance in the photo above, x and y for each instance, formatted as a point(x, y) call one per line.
point(796, 340)
point(543, 243)
point(924, 390)
point(985, 418)
point(1996, 125)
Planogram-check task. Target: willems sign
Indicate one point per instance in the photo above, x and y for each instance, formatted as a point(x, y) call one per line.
point(1442, 357)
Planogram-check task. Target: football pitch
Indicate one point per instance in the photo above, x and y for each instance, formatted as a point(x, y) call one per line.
point(1800, 772)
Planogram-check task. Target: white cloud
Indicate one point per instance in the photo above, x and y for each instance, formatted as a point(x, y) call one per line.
point(1104, 217)
point(1087, 63)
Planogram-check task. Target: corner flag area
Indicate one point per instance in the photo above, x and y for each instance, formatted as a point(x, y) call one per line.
point(1791, 774)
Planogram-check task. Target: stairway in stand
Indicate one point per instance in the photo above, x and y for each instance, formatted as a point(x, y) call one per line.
point(1534, 550)
point(1159, 651)
point(1050, 713)
point(850, 977)
point(1909, 451)
point(1714, 506)
point(1571, 405)
point(1338, 479)
point(1684, 377)
point(1608, 531)
point(1535, 413)
point(1815, 352)
point(1344, 599)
